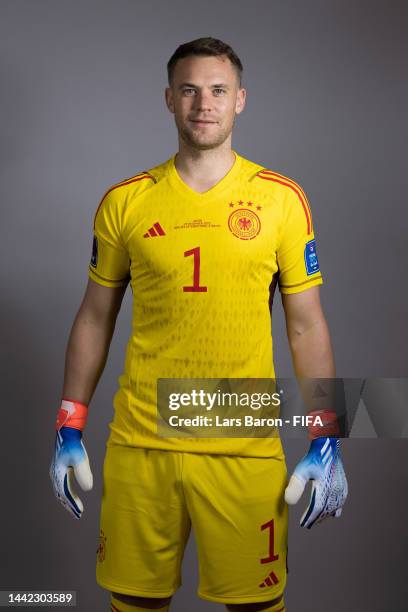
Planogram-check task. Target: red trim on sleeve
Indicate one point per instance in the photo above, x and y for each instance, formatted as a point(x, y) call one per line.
point(268, 175)
point(138, 177)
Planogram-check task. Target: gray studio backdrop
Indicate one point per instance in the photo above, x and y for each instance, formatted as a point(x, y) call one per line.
point(82, 107)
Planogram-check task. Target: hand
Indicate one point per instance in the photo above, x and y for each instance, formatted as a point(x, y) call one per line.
point(70, 457)
point(324, 467)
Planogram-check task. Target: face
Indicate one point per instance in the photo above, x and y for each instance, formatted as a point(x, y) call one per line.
point(205, 97)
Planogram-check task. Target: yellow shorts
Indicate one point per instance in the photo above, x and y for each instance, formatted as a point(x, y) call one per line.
point(150, 500)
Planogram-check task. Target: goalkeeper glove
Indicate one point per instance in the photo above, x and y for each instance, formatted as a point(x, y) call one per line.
point(322, 465)
point(70, 457)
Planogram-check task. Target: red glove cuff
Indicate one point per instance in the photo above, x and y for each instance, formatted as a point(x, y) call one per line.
point(71, 414)
point(324, 424)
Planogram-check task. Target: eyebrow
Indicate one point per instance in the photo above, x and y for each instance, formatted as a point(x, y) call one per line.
point(224, 85)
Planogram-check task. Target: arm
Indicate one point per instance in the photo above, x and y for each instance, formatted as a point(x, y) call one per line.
point(89, 340)
point(312, 357)
point(308, 335)
point(87, 350)
point(86, 356)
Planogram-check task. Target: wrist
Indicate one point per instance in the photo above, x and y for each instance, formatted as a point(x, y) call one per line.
point(71, 414)
point(324, 424)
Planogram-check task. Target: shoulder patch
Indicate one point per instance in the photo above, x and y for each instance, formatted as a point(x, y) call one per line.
point(311, 261)
point(94, 258)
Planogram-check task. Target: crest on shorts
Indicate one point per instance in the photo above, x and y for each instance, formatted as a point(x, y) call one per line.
point(101, 547)
point(244, 223)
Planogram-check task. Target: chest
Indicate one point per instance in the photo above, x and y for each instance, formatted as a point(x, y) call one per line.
point(172, 237)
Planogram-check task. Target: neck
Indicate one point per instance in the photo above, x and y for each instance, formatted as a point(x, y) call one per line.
point(204, 166)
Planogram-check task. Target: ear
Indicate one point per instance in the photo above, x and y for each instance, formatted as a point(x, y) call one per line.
point(169, 99)
point(240, 101)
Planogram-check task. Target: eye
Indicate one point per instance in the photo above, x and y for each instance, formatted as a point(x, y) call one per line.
point(218, 91)
point(188, 91)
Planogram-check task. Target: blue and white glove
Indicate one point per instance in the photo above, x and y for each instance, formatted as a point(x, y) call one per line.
point(322, 465)
point(70, 457)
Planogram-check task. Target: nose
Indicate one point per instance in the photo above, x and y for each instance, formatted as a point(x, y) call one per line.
point(203, 101)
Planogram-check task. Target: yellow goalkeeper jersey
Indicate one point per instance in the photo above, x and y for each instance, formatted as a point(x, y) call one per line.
point(202, 267)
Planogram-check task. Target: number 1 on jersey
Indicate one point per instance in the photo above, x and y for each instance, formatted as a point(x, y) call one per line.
point(195, 287)
point(271, 556)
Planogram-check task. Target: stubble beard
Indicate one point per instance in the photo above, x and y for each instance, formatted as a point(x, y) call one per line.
point(201, 144)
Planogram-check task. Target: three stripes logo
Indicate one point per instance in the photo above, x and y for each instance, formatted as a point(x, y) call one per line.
point(326, 452)
point(155, 230)
point(269, 581)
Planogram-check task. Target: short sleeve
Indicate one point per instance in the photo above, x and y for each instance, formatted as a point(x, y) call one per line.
point(110, 262)
point(297, 255)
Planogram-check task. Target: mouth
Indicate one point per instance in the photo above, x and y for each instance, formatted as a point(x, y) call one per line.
point(202, 122)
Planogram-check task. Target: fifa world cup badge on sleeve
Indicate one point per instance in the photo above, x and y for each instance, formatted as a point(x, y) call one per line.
point(311, 262)
point(94, 258)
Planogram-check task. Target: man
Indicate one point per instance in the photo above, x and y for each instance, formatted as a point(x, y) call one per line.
point(203, 240)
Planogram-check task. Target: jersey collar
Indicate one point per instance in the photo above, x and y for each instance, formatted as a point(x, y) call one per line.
point(177, 183)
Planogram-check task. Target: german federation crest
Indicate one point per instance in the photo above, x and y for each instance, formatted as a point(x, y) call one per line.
point(101, 550)
point(244, 223)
